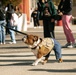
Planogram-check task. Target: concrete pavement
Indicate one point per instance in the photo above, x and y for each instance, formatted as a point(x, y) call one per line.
point(16, 59)
point(57, 29)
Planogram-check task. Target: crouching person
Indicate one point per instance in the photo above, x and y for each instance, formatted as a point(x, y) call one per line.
point(2, 24)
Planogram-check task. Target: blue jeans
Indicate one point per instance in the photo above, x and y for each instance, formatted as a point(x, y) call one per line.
point(57, 50)
point(11, 32)
point(2, 32)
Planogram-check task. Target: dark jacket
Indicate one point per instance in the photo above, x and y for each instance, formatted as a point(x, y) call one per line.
point(8, 15)
point(2, 16)
point(51, 8)
point(65, 7)
point(40, 9)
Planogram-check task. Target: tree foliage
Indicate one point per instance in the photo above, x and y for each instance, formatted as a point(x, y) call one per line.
point(14, 2)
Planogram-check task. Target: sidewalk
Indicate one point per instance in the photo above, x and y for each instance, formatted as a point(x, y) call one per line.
point(57, 29)
point(16, 59)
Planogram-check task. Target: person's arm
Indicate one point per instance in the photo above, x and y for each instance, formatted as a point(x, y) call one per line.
point(53, 9)
point(60, 6)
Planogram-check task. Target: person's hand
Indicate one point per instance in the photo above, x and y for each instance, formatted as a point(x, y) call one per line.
point(60, 14)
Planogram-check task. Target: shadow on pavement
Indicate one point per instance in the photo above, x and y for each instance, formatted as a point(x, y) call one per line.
point(21, 47)
point(28, 62)
point(55, 70)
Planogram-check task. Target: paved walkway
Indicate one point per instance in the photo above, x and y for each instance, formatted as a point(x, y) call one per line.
point(57, 29)
point(18, 62)
point(16, 59)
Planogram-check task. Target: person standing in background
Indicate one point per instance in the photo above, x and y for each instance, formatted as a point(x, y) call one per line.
point(2, 24)
point(65, 8)
point(35, 15)
point(9, 19)
point(9, 7)
point(10, 23)
point(49, 13)
point(17, 15)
